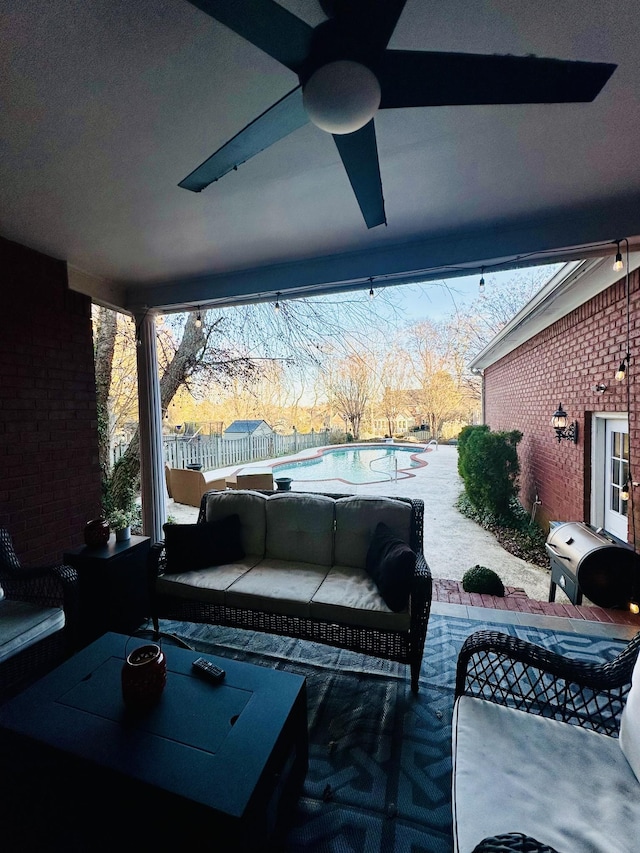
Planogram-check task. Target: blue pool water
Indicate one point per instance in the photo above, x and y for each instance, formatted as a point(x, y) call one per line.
point(355, 465)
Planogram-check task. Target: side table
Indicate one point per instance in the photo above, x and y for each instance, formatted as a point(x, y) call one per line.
point(113, 586)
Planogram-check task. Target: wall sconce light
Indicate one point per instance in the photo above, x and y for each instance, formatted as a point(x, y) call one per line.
point(600, 388)
point(560, 423)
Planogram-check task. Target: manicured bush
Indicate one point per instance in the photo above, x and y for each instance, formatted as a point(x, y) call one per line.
point(483, 580)
point(489, 466)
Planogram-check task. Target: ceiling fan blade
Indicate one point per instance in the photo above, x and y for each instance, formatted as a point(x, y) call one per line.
point(265, 24)
point(371, 22)
point(274, 124)
point(359, 153)
point(415, 79)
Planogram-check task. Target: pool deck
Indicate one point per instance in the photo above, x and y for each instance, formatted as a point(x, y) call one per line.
point(453, 544)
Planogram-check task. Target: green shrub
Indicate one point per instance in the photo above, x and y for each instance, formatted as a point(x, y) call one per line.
point(483, 580)
point(463, 438)
point(489, 466)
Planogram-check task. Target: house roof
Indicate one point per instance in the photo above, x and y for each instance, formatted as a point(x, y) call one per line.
point(245, 426)
point(106, 107)
point(573, 285)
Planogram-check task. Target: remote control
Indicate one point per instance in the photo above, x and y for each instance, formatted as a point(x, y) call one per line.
point(208, 670)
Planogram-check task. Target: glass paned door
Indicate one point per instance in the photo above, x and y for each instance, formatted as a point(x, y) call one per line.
point(616, 465)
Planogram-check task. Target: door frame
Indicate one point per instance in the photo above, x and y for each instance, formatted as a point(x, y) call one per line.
point(598, 456)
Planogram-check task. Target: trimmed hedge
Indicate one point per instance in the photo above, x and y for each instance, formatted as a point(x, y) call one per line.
point(489, 467)
point(483, 580)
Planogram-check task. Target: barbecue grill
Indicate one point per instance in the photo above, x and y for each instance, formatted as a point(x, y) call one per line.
point(591, 562)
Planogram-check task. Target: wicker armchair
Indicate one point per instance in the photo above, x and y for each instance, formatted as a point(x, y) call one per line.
point(513, 672)
point(43, 586)
point(512, 842)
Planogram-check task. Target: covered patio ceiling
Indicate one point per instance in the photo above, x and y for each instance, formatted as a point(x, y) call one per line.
point(108, 104)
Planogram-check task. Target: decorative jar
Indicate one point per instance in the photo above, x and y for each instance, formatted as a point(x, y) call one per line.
point(144, 675)
point(96, 532)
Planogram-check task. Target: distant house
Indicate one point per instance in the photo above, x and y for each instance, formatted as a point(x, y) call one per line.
point(400, 423)
point(243, 429)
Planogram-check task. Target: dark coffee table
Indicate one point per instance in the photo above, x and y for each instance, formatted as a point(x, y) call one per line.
point(218, 765)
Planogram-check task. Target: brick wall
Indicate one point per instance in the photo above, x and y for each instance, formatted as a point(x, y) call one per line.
point(49, 474)
point(562, 364)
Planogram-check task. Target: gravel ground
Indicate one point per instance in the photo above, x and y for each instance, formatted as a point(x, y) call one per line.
point(452, 543)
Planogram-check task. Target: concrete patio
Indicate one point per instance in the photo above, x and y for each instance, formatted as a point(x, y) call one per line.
point(453, 544)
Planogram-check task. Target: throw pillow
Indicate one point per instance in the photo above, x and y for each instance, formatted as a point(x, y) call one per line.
point(391, 564)
point(198, 546)
point(630, 723)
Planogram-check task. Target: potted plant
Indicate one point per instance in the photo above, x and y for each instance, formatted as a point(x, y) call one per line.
point(120, 521)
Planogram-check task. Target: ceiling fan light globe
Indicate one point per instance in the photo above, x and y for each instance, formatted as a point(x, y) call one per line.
point(342, 96)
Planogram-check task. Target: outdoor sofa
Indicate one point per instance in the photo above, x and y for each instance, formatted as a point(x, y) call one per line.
point(546, 750)
point(343, 570)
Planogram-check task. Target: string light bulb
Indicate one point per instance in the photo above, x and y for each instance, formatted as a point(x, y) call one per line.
point(276, 307)
point(634, 607)
point(621, 372)
point(481, 283)
point(618, 264)
point(624, 492)
point(198, 322)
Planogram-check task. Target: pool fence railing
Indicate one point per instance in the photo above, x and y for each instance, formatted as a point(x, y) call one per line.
point(213, 451)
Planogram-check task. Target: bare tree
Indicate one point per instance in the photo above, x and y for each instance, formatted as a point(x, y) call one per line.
point(349, 389)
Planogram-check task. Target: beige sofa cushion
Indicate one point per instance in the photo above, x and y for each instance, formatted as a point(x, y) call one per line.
point(630, 723)
point(566, 786)
point(356, 521)
point(277, 586)
point(349, 596)
point(251, 507)
point(205, 584)
point(300, 528)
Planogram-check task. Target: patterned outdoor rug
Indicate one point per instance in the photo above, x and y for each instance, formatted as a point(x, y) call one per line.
point(379, 757)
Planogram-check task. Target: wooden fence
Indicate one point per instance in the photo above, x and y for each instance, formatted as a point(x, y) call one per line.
point(213, 451)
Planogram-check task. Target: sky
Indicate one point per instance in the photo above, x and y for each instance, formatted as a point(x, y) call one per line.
point(439, 299)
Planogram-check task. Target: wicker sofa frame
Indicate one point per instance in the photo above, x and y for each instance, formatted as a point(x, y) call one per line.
point(402, 646)
point(519, 674)
point(45, 586)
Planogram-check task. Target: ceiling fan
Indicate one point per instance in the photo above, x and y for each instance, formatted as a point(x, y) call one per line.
point(347, 73)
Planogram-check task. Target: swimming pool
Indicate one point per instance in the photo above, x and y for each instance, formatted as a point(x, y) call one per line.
point(354, 465)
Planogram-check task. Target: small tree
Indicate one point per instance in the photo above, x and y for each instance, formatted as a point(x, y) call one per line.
point(490, 468)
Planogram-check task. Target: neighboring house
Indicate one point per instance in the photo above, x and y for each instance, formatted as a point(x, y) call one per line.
point(243, 429)
point(566, 346)
point(399, 424)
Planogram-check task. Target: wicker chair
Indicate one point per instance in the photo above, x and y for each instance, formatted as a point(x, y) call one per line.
point(513, 672)
point(507, 671)
point(512, 842)
point(46, 587)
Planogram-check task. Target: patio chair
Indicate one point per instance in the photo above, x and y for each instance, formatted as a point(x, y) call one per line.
point(38, 617)
point(544, 759)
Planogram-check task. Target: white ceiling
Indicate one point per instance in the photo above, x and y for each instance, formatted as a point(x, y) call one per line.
point(107, 104)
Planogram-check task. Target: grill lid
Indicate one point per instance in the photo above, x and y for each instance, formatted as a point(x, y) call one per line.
point(605, 568)
point(573, 540)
